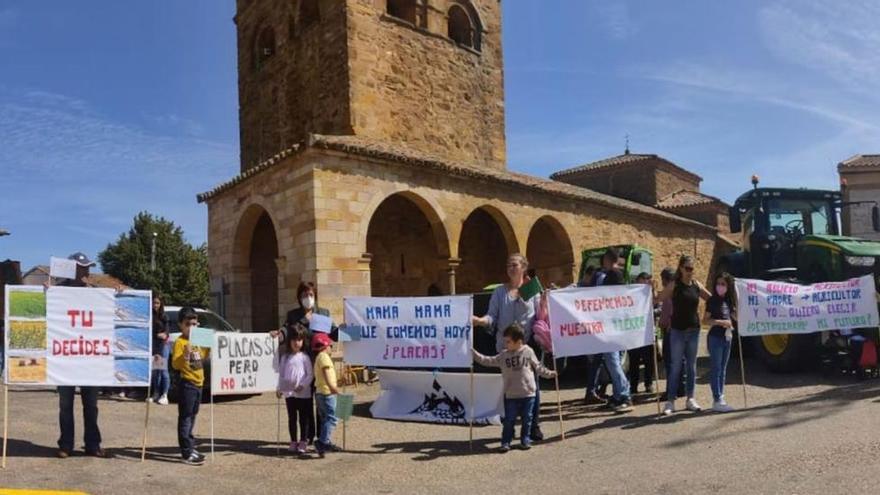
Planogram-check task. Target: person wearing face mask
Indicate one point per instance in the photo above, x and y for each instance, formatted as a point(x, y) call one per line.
point(719, 316)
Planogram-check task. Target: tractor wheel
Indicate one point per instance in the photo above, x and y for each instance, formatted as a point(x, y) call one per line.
point(784, 353)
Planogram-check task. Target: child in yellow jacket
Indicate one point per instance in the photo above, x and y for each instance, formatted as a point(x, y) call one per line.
point(188, 360)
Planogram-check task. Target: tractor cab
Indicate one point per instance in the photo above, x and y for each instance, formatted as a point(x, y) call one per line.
point(633, 261)
point(773, 222)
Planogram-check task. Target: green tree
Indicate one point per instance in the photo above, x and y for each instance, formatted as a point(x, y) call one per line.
point(181, 273)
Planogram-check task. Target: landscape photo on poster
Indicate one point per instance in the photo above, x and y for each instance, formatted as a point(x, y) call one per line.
point(26, 335)
point(132, 337)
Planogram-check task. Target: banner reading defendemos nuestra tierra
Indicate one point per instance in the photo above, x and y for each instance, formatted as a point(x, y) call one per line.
point(413, 332)
point(768, 307)
point(592, 320)
point(77, 336)
point(243, 363)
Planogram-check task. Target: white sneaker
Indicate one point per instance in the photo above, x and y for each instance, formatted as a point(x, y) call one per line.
point(721, 407)
point(669, 408)
point(163, 400)
point(692, 405)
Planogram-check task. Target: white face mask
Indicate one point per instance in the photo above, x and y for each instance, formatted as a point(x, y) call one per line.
point(308, 302)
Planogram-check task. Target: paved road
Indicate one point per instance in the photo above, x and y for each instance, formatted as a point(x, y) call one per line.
point(802, 433)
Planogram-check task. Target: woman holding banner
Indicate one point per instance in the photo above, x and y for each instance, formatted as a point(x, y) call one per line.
point(684, 335)
point(506, 307)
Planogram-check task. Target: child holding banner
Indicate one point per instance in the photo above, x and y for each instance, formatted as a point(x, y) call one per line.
point(295, 385)
point(325, 392)
point(188, 360)
point(719, 316)
point(518, 364)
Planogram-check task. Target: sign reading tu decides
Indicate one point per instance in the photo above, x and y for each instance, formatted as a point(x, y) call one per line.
point(412, 332)
point(594, 320)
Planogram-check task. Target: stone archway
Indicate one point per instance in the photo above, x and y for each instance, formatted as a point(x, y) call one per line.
point(253, 298)
point(485, 242)
point(408, 248)
point(550, 253)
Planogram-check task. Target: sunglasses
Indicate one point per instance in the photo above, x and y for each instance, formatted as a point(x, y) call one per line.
point(688, 268)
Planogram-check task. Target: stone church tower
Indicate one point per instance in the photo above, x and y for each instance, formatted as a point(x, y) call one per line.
point(425, 75)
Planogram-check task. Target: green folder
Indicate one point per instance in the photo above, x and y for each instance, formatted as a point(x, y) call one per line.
point(344, 406)
point(530, 289)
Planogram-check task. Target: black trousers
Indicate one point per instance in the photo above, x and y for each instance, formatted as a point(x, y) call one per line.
point(89, 398)
point(187, 410)
point(299, 411)
point(638, 357)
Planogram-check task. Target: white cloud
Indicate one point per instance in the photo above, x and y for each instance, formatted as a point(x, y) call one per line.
point(615, 18)
point(837, 39)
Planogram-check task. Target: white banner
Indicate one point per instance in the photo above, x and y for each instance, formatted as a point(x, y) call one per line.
point(243, 363)
point(78, 336)
point(438, 398)
point(409, 332)
point(593, 320)
point(769, 307)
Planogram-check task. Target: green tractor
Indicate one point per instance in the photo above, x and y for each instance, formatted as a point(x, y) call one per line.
point(636, 260)
point(793, 235)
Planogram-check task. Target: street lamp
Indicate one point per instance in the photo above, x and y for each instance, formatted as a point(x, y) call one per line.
point(153, 253)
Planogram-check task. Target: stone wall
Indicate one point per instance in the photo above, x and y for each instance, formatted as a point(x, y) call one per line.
point(862, 185)
point(413, 86)
point(303, 87)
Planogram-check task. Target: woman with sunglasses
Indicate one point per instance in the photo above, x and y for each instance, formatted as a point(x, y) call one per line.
point(684, 334)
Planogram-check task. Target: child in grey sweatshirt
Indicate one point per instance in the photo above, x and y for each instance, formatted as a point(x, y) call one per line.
point(518, 365)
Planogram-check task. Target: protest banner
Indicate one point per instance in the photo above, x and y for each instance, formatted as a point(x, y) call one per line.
point(428, 397)
point(77, 336)
point(62, 268)
point(772, 307)
point(243, 363)
point(594, 320)
point(413, 332)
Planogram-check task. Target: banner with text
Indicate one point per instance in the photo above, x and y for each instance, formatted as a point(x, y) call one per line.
point(592, 320)
point(411, 332)
point(78, 336)
point(243, 363)
point(439, 397)
point(769, 307)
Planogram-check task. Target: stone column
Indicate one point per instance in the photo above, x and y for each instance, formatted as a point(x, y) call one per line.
point(453, 264)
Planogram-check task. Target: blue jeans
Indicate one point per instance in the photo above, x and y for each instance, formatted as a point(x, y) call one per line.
point(89, 397)
point(719, 355)
point(326, 416)
point(514, 408)
point(682, 343)
point(161, 381)
point(619, 383)
point(187, 409)
point(594, 366)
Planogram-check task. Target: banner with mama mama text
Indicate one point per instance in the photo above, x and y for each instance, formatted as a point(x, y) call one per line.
point(593, 320)
point(409, 332)
point(771, 307)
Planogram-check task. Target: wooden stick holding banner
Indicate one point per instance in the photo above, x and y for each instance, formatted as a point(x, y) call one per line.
point(278, 425)
point(146, 420)
point(558, 400)
point(212, 424)
point(657, 375)
point(5, 421)
point(742, 370)
point(471, 415)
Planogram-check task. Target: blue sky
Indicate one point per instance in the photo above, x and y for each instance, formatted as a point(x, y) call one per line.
point(108, 108)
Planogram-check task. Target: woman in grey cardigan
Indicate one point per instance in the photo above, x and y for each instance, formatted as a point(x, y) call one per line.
point(507, 307)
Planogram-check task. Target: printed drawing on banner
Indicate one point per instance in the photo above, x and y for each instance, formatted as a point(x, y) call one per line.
point(132, 336)
point(440, 407)
point(26, 335)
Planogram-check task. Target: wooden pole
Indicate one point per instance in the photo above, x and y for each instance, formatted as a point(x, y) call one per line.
point(147, 419)
point(742, 370)
point(212, 425)
point(278, 425)
point(344, 390)
point(558, 400)
point(657, 376)
point(5, 421)
point(471, 418)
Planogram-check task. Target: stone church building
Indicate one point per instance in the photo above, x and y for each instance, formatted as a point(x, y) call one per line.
point(373, 163)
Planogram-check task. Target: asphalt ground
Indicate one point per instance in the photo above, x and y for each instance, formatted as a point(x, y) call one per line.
point(802, 433)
